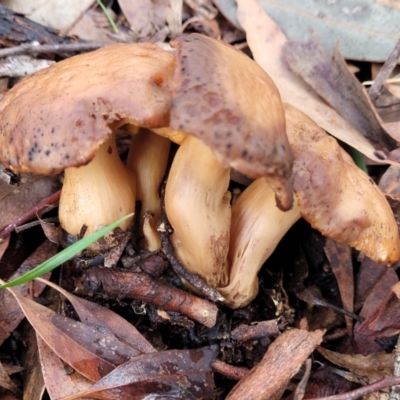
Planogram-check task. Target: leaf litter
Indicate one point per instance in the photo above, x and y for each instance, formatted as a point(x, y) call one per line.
point(109, 356)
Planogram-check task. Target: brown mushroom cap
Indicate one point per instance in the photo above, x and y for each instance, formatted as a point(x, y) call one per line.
point(225, 99)
point(335, 196)
point(59, 117)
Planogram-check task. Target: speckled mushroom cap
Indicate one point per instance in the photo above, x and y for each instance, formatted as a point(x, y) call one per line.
point(335, 196)
point(226, 100)
point(60, 116)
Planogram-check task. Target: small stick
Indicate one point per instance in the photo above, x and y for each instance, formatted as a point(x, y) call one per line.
point(384, 73)
point(126, 284)
point(230, 371)
point(29, 214)
point(55, 48)
point(362, 391)
point(196, 281)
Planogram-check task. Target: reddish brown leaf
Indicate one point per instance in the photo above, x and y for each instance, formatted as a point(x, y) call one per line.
point(10, 313)
point(96, 315)
point(329, 76)
point(6, 382)
point(373, 366)
point(385, 320)
point(268, 380)
point(339, 256)
point(58, 380)
point(173, 374)
point(91, 352)
point(16, 200)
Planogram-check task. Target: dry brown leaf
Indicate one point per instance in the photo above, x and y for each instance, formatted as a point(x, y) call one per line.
point(58, 380)
point(176, 374)
point(330, 77)
point(339, 256)
point(266, 41)
point(10, 313)
point(6, 382)
point(96, 315)
point(285, 356)
point(91, 352)
point(16, 200)
point(373, 366)
point(139, 14)
point(57, 14)
point(385, 320)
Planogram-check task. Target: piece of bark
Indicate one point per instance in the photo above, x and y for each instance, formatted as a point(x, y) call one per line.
point(126, 284)
point(257, 330)
point(285, 356)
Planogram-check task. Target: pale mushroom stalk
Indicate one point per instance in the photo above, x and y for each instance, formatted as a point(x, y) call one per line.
point(148, 157)
point(258, 225)
point(98, 193)
point(197, 203)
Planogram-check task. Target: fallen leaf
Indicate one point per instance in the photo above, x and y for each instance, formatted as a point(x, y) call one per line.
point(58, 380)
point(91, 352)
point(172, 374)
point(373, 366)
point(285, 356)
point(139, 14)
point(266, 42)
point(7, 383)
point(334, 21)
point(15, 200)
point(385, 320)
point(10, 312)
point(95, 315)
point(330, 77)
point(56, 14)
point(339, 256)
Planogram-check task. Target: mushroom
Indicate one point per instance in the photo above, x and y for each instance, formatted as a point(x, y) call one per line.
point(65, 116)
point(331, 193)
point(232, 115)
point(148, 157)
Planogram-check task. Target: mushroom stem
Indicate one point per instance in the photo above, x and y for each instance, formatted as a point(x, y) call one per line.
point(257, 227)
point(147, 158)
point(197, 203)
point(98, 193)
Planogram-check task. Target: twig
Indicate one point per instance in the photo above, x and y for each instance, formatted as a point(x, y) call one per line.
point(395, 390)
point(140, 286)
point(196, 281)
point(230, 371)
point(50, 48)
point(384, 73)
point(356, 394)
point(29, 214)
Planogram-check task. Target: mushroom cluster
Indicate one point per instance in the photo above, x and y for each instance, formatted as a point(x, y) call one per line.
point(226, 114)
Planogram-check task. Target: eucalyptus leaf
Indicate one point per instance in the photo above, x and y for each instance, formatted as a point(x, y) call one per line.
point(365, 29)
point(64, 255)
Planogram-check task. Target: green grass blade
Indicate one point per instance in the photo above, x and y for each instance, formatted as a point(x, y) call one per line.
point(64, 255)
point(107, 14)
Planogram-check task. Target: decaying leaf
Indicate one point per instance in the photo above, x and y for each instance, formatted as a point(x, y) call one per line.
point(334, 21)
point(16, 200)
point(266, 42)
point(385, 320)
point(180, 374)
point(373, 366)
point(59, 380)
point(330, 77)
point(10, 312)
